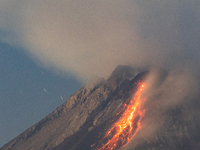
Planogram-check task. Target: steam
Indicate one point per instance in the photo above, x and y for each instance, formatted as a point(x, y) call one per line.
point(90, 38)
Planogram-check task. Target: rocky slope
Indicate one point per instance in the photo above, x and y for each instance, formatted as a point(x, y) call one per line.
point(76, 113)
point(81, 122)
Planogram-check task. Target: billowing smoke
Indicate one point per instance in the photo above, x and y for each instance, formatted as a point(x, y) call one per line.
point(166, 94)
point(90, 38)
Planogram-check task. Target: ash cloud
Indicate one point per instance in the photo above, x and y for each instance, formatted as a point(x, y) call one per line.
point(90, 38)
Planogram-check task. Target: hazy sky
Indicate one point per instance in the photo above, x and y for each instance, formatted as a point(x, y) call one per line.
point(91, 37)
point(28, 92)
point(87, 38)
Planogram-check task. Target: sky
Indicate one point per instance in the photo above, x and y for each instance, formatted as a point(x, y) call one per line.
point(72, 41)
point(28, 92)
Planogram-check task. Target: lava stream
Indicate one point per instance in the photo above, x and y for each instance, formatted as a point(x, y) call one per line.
point(127, 126)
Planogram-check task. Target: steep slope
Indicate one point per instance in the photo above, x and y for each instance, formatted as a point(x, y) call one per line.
point(176, 126)
point(104, 116)
point(72, 116)
point(83, 121)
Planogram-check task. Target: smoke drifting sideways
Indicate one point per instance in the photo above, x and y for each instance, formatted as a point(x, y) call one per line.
point(90, 38)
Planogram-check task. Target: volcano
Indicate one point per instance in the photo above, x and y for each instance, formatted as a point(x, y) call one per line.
point(116, 114)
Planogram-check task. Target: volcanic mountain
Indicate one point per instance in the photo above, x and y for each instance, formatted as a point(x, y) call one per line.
point(116, 114)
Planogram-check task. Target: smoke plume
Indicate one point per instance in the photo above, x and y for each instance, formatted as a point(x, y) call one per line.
point(163, 93)
point(90, 38)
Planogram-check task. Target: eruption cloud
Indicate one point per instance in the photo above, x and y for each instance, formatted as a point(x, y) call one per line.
point(90, 38)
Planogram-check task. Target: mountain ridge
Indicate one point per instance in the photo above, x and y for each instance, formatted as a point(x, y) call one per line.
point(81, 122)
point(63, 122)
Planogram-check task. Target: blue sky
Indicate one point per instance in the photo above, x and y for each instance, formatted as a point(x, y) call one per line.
point(28, 92)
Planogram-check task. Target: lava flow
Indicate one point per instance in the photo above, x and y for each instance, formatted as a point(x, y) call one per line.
point(127, 126)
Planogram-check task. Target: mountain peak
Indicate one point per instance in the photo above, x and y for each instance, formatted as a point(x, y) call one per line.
point(82, 121)
point(123, 72)
point(82, 112)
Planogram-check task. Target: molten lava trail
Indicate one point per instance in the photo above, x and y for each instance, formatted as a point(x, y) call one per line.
point(127, 126)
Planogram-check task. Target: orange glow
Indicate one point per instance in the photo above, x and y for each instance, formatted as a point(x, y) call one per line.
point(127, 126)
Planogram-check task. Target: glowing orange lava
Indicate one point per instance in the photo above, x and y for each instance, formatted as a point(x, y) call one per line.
point(127, 126)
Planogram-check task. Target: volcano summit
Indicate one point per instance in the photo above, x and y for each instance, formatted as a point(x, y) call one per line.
point(132, 109)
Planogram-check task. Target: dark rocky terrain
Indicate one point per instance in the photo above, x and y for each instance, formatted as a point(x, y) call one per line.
point(80, 122)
